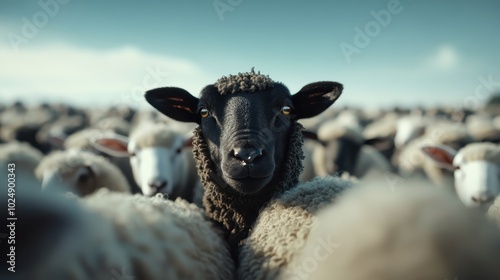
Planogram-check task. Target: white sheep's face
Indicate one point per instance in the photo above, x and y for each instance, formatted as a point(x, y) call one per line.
point(477, 183)
point(157, 169)
point(80, 180)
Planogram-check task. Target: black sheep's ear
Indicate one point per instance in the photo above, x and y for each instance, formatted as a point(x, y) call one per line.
point(314, 98)
point(175, 103)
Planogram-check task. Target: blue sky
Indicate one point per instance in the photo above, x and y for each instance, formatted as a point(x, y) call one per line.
point(108, 52)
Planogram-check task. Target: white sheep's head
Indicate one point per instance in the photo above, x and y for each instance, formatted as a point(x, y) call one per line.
point(246, 121)
point(476, 168)
point(155, 153)
point(407, 129)
point(70, 171)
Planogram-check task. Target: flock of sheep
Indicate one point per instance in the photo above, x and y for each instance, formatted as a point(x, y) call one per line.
point(253, 183)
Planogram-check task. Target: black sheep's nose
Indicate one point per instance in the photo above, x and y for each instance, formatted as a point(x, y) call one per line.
point(247, 155)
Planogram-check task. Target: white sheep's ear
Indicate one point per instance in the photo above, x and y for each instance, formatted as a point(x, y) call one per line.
point(441, 155)
point(114, 145)
point(175, 103)
point(315, 98)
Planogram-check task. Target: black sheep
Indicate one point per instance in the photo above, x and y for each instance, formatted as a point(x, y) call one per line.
point(248, 146)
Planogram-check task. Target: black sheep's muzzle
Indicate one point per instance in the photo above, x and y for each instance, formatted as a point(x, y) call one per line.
point(247, 160)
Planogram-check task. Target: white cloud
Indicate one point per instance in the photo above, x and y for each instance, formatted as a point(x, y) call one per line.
point(107, 77)
point(444, 58)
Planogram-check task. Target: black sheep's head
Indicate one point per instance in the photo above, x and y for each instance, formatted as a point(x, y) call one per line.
point(246, 126)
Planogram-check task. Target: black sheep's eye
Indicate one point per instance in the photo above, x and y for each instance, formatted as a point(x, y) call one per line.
point(178, 150)
point(286, 110)
point(204, 113)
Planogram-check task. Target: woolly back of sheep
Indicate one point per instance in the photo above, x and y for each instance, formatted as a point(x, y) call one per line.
point(414, 232)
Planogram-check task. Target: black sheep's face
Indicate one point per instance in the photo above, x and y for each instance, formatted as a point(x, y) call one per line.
point(247, 132)
point(247, 136)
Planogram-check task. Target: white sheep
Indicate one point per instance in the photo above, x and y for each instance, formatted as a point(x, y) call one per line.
point(476, 169)
point(154, 117)
point(84, 140)
point(95, 115)
point(381, 133)
point(24, 125)
point(80, 172)
point(411, 160)
point(55, 133)
point(482, 128)
point(496, 122)
point(144, 116)
point(110, 235)
point(116, 124)
point(283, 226)
point(350, 118)
point(409, 127)
point(160, 160)
point(415, 232)
point(312, 124)
point(21, 154)
point(25, 159)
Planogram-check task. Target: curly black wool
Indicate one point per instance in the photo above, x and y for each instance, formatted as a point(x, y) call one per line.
point(243, 82)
